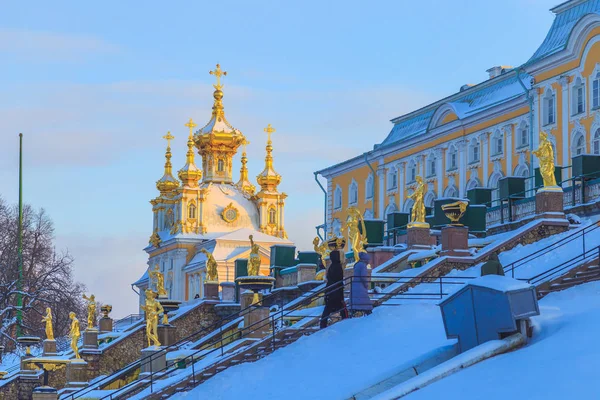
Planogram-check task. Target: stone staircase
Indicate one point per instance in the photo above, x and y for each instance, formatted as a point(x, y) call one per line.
point(586, 273)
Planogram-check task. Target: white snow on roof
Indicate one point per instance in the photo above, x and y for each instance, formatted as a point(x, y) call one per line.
point(500, 283)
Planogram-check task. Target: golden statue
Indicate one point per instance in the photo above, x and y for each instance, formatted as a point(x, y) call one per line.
point(91, 306)
point(74, 334)
point(545, 154)
point(321, 249)
point(356, 239)
point(417, 217)
point(254, 259)
point(48, 320)
point(152, 308)
point(212, 274)
point(159, 278)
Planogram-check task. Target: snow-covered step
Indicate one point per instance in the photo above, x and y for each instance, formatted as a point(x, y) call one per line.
point(587, 273)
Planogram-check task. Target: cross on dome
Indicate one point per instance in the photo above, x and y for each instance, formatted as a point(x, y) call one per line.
point(168, 137)
point(218, 73)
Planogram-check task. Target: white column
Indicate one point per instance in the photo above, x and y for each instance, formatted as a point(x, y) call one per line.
point(401, 172)
point(508, 148)
point(483, 139)
point(462, 167)
point(439, 170)
point(381, 175)
point(564, 82)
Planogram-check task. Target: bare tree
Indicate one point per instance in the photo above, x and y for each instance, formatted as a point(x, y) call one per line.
point(47, 275)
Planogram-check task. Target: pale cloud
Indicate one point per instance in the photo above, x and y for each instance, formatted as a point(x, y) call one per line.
point(52, 46)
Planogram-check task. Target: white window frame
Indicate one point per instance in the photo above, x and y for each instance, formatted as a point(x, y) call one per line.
point(392, 179)
point(523, 132)
point(549, 108)
point(353, 193)
point(595, 92)
point(578, 146)
point(596, 142)
point(474, 151)
point(497, 143)
point(337, 198)
point(452, 158)
point(578, 97)
point(369, 187)
point(431, 165)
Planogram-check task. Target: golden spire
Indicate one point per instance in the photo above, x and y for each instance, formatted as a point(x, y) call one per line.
point(190, 174)
point(167, 183)
point(244, 184)
point(269, 179)
point(218, 94)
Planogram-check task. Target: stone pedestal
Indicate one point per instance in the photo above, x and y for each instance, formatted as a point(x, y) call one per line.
point(90, 339)
point(256, 324)
point(77, 373)
point(549, 203)
point(166, 334)
point(380, 255)
point(228, 292)
point(105, 324)
point(153, 359)
point(211, 290)
point(45, 393)
point(306, 272)
point(418, 237)
point(49, 348)
point(455, 241)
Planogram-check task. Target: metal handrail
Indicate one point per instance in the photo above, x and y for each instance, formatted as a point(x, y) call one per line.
point(580, 258)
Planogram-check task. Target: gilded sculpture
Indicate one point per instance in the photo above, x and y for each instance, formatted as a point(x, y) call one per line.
point(254, 259)
point(91, 307)
point(417, 215)
point(545, 155)
point(74, 334)
point(321, 249)
point(48, 320)
point(159, 280)
point(152, 308)
point(355, 223)
point(212, 274)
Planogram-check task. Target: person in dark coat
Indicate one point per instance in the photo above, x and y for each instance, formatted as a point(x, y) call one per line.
point(359, 293)
point(334, 290)
point(492, 266)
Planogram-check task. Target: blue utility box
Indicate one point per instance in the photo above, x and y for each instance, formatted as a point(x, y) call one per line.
point(488, 308)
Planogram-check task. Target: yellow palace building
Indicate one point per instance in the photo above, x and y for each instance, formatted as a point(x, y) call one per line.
point(486, 131)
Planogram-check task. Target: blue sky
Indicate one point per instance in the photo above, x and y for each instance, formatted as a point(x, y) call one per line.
point(93, 88)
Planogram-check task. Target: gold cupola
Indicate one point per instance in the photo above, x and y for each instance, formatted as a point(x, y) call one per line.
point(190, 174)
point(268, 179)
point(167, 184)
point(244, 183)
point(218, 141)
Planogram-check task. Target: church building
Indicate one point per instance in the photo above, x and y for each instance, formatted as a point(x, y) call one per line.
point(207, 209)
point(486, 131)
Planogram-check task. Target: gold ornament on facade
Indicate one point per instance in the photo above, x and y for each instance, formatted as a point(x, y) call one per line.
point(190, 226)
point(167, 184)
point(48, 320)
point(159, 280)
point(91, 309)
point(354, 224)
point(74, 334)
point(254, 258)
point(417, 217)
point(545, 155)
point(212, 274)
point(230, 214)
point(155, 240)
point(152, 309)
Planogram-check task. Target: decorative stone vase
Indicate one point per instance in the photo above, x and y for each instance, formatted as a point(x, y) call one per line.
point(455, 211)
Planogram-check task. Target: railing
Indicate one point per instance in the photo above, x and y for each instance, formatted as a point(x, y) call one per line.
point(586, 256)
point(391, 238)
point(128, 320)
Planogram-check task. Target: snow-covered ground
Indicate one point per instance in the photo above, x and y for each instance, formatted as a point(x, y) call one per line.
point(334, 363)
point(561, 361)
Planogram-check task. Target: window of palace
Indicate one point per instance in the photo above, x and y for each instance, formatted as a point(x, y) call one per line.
point(548, 107)
point(451, 192)
point(412, 172)
point(429, 199)
point(474, 151)
point(370, 187)
point(596, 142)
point(353, 193)
point(596, 90)
point(472, 184)
point(392, 179)
point(192, 211)
point(452, 158)
point(272, 216)
point(220, 166)
point(497, 143)
point(431, 165)
point(578, 93)
point(337, 198)
point(523, 135)
point(578, 144)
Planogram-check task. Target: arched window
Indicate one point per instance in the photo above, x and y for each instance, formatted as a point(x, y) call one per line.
point(523, 134)
point(452, 161)
point(472, 184)
point(353, 193)
point(369, 187)
point(451, 191)
point(522, 170)
point(596, 91)
point(368, 214)
point(578, 97)
point(192, 211)
point(578, 144)
point(497, 143)
point(336, 227)
point(220, 165)
point(169, 220)
point(431, 165)
point(392, 179)
point(272, 216)
point(390, 209)
point(596, 142)
point(493, 184)
point(337, 198)
point(408, 204)
point(429, 198)
point(474, 151)
point(548, 110)
point(412, 172)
